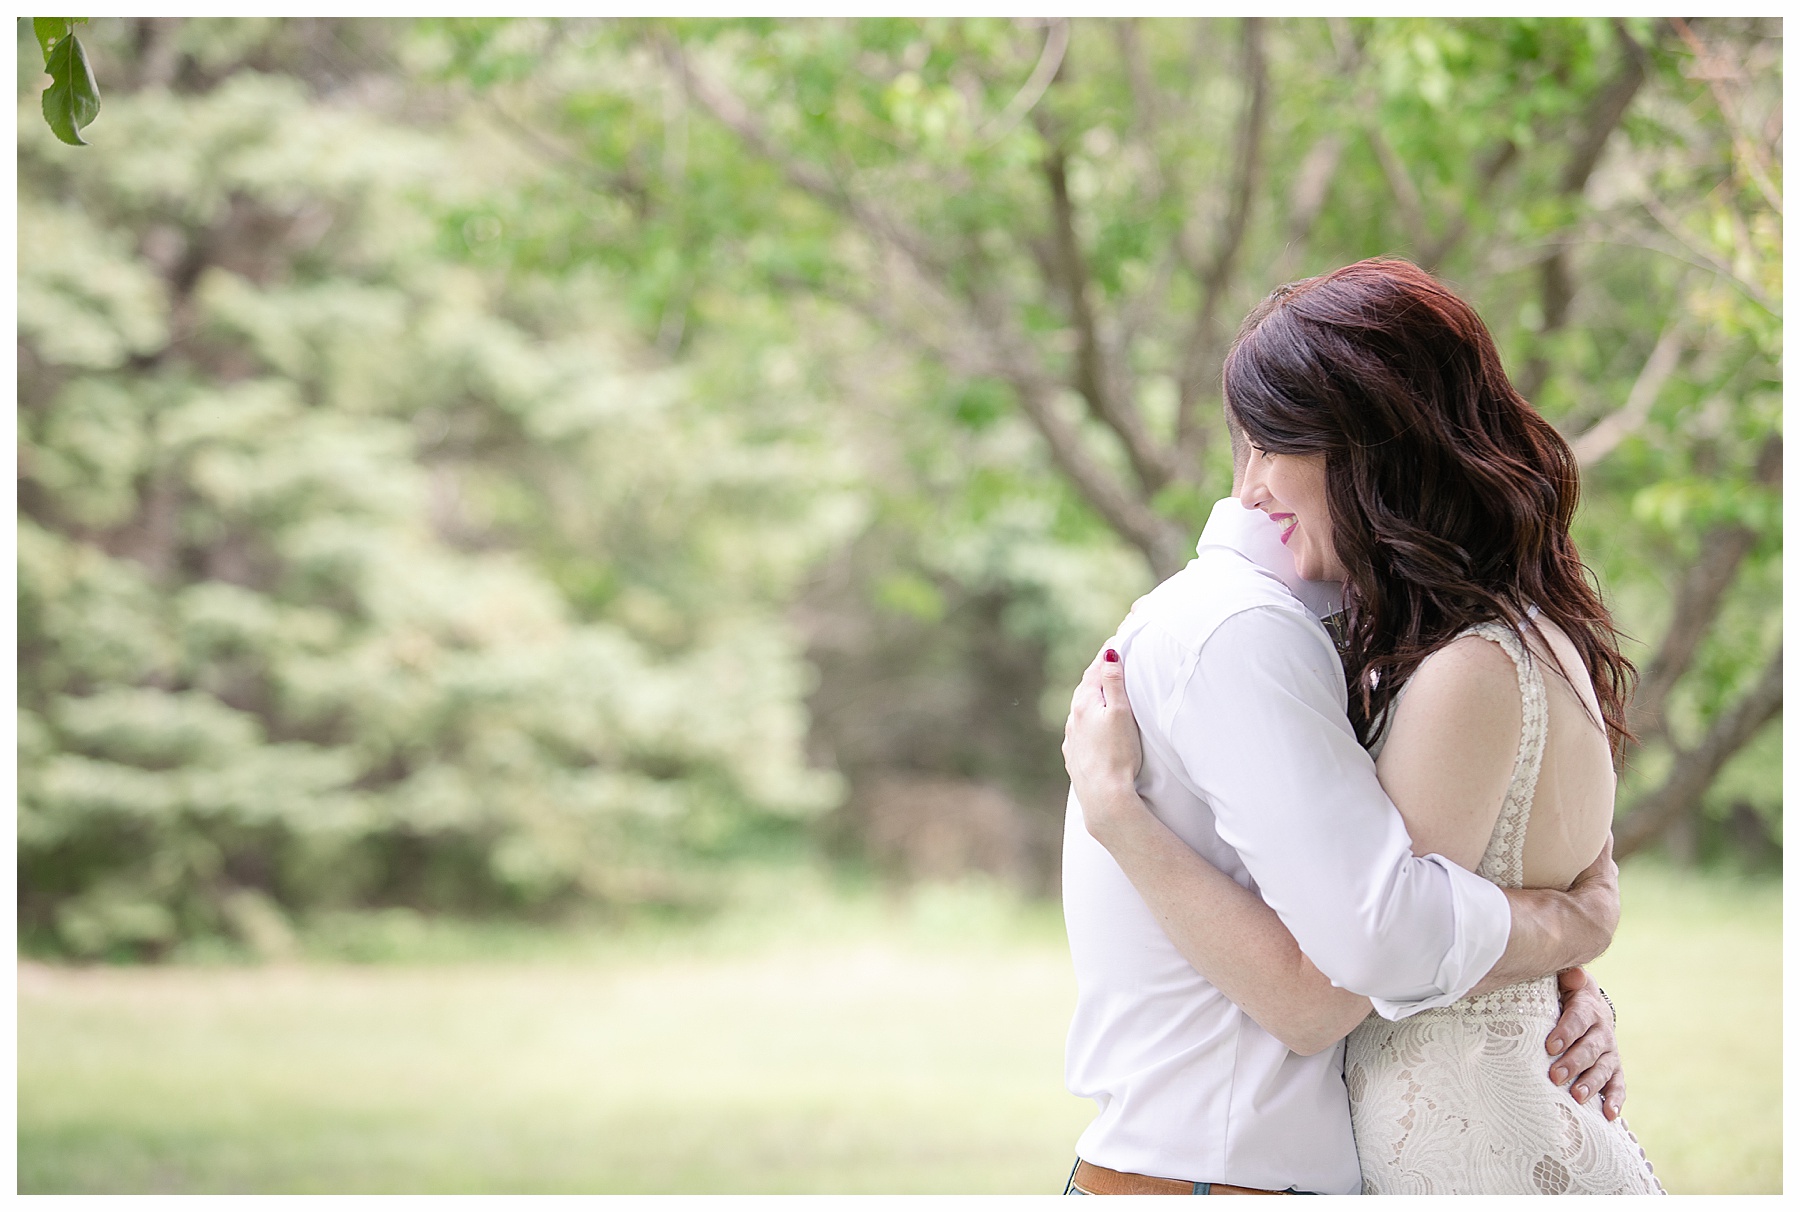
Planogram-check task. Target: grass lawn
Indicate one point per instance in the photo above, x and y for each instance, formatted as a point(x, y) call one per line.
point(843, 1043)
point(1696, 974)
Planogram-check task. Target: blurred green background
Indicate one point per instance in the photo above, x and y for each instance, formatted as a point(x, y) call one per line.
point(543, 541)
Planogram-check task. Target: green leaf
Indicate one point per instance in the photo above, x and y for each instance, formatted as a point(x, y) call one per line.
point(50, 29)
point(73, 99)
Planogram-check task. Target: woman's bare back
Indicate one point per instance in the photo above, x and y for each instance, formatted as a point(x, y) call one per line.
point(1448, 756)
point(1573, 808)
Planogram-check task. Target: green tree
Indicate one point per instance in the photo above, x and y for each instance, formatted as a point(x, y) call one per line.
point(352, 568)
point(1061, 222)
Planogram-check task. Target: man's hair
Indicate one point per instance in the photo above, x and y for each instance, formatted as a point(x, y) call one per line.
point(1240, 446)
point(1450, 498)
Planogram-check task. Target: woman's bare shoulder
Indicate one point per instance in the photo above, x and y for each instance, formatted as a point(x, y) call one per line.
point(1462, 705)
point(1449, 758)
point(1470, 669)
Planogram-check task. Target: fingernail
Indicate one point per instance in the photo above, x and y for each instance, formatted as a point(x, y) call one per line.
point(1581, 1094)
point(1554, 1046)
point(1112, 654)
point(1559, 1074)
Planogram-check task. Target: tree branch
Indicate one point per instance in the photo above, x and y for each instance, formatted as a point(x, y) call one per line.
point(1400, 182)
point(1500, 158)
point(1754, 163)
point(1005, 355)
point(1056, 45)
point(727, 108)
point(1671, 224)
point(1601, 438)
point(1312, 184)
point(1605, 112)
point(593, 177)
point(1161, 540)
point(1696, 768)
point(1096, 378)
point(950, 346)
point(1146, 108)
point(1202, 354)
point(1319, 166)
point(1698, 600)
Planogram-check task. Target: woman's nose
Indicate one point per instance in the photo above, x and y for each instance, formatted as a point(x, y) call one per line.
point(1252, 494)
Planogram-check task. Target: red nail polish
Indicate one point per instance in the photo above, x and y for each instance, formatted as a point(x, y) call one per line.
point(1112, 655)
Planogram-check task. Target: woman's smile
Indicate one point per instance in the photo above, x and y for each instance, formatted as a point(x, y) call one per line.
point(1290, 489)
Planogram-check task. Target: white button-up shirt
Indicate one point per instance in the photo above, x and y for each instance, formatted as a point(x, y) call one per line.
point(1250, 759)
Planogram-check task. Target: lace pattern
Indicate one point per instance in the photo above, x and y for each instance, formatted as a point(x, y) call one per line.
point(1458, 1099)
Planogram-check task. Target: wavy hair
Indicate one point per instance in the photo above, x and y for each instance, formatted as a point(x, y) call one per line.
point(1450, 497)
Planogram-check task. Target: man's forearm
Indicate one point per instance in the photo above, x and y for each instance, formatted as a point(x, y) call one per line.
point(1551, 931)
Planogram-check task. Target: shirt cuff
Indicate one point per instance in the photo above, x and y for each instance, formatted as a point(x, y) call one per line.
point(1483, 923)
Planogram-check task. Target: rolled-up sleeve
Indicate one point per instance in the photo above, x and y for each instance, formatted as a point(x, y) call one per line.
point(1259, 727)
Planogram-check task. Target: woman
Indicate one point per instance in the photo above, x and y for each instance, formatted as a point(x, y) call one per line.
point(1483, 672)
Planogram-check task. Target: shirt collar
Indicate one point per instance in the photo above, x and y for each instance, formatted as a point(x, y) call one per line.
point(1250, 533)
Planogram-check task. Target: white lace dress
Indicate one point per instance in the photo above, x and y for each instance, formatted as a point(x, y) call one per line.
point(1458, 1100)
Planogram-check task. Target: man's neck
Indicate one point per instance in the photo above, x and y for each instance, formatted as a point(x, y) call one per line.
point(1250, 533)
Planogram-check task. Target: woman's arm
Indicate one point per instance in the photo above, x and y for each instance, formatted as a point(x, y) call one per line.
point(1223, 929)
point(1226, 931)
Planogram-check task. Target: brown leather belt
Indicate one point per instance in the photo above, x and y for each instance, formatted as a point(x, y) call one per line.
point(1098, 1180)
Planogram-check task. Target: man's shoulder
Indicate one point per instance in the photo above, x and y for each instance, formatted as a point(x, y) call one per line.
point(1217, 584)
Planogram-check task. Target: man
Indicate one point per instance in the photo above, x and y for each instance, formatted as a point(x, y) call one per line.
point(1232, 672)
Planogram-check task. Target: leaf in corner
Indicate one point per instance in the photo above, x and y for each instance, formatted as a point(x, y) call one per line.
point(73, 99)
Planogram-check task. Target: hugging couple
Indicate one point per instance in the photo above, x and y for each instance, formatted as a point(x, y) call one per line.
point(1328, 891)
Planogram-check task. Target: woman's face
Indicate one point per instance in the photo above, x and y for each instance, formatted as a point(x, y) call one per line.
point(1291, 490)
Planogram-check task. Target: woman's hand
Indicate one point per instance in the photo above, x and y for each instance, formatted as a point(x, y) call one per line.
point(1102, 751)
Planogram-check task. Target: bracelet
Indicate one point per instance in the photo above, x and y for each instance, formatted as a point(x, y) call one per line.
point(1608, 1001)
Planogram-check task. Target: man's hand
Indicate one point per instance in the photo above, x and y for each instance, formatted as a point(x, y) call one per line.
point(1596, 896)
point(1585, 1052)
point(1553, 930)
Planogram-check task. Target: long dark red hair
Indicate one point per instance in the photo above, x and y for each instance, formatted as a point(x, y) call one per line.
point(1450, 497)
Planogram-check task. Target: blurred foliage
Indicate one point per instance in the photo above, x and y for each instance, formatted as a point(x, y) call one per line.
point(352, 570)
point(454, 454)
point(1054, 226)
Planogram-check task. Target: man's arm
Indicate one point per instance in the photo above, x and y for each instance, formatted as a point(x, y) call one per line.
point(1552, 931)
point(1235, 940)
point(1227, 933)
point(1259, 728)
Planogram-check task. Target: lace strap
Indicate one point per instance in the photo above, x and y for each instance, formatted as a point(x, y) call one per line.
point(1504, 861)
